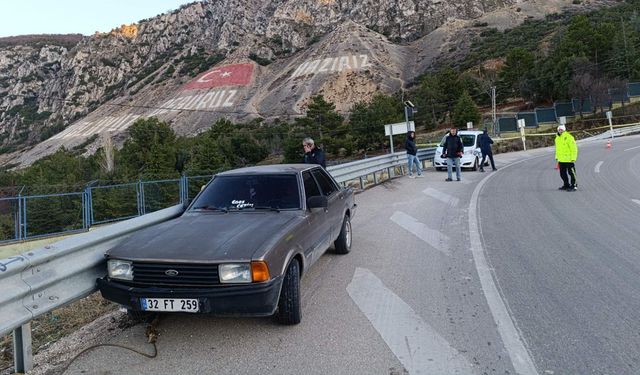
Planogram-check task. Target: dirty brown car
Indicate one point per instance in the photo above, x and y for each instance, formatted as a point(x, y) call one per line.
point(239, 249)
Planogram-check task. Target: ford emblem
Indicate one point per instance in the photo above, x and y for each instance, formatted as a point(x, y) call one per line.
point(171, 273)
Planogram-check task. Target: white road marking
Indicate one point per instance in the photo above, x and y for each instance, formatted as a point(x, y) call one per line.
point(432, 237)
point(442, 197)
point(636, 201)
point(632, 148)
point(419, 347)
point(520, 358)
point(597, 168)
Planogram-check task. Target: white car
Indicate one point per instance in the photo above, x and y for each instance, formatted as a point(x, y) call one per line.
point(472, 155)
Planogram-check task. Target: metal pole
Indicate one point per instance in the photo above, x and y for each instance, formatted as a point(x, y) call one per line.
point(391, 141)
point(22, 352)
point(406, 117)
point(493, 108)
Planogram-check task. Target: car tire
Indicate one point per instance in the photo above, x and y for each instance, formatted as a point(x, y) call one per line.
point(475, 165)
point(289, 309)
point(342, 244)
point(439, 169)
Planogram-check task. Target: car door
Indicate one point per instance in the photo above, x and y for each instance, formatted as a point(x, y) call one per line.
point(314, 238)
point(335, 197)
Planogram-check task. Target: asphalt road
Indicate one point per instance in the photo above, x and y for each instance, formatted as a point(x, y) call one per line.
point(535, 281)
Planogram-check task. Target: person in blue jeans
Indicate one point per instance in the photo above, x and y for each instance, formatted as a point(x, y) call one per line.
point(412, 154)
point(453, 150)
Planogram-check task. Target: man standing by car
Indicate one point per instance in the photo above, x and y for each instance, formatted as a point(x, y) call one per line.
point(453, 150)
point(566, 156)
point(485, 142)
point(312, 154)
point(412, 154)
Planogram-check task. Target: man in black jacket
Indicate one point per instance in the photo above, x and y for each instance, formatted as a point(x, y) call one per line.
point(453, 150)
point(412, 154)
point(485, 142)
point(312, 154)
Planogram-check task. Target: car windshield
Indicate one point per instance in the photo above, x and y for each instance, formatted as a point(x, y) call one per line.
point(250, 192)
point(468, 140)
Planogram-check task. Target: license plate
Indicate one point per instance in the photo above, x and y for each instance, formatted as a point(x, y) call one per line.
point(170, 304)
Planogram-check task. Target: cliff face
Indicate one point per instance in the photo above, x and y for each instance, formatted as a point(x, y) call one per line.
point(228, 58)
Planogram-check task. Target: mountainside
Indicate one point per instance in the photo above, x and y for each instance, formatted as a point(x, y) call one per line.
point(237, 59)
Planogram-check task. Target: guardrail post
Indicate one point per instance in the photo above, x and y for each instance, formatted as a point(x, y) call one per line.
point(361, 183)
point(375, 178)
point(22, 353)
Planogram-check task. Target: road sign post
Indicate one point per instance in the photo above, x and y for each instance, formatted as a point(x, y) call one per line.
point(521, 125)
point(610, 118)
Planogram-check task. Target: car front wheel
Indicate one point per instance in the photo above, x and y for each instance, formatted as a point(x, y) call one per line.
point(289, 309)
point(343, 243)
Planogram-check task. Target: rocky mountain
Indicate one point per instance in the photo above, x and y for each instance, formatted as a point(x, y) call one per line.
point(240, 59)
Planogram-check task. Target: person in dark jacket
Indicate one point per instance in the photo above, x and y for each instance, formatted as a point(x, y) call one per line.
point(453, 150)
point(412, 154)
point(485, 142)
point(312, 154)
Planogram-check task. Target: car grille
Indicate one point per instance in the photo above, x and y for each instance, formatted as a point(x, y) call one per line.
point(188, 275)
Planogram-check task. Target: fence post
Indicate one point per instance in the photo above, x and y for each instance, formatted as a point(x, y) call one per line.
point(24, 218)
point(18, 220)
point(22, 352)
point(140, 197)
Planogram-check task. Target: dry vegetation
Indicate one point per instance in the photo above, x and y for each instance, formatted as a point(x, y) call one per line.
point(52, 326)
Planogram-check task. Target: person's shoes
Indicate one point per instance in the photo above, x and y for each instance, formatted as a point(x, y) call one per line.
point(457, 179)
point(572, 188)
point(412, 176)
point(481, 170)
point(420, 176)
point(495, 169)
point(564, 187)
point(448, 179)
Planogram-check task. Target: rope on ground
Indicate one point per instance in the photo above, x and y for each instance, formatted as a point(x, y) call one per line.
point(152, 336)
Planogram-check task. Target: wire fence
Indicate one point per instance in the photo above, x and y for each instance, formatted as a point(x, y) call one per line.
point(31, 216)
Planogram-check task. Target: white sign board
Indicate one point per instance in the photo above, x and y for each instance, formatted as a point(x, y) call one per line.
point(469, 125)
point(399, 128)
point(521, 123)
point(563, 120)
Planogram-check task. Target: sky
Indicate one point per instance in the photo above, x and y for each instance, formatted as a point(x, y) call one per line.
point(20, 17)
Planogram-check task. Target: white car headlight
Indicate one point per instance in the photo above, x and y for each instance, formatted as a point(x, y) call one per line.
point(120, 269)
point(235, 273)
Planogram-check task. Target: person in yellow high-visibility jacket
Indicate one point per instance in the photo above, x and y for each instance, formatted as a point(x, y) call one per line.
point(566, 156)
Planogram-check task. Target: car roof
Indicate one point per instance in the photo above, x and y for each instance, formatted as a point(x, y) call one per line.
point(270, 169)
point(460, 132)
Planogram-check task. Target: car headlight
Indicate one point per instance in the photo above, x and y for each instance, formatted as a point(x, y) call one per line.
point(120, 269)
point(235, 273)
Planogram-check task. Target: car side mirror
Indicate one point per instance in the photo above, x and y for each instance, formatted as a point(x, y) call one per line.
point(317, 201)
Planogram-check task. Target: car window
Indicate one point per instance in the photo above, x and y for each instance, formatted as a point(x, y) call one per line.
point(250, 191)
point(442, 142)
point(468, 140)
point(327, 185)
point(310, 186)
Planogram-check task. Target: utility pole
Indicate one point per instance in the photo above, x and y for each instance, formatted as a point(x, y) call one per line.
point(493, 108)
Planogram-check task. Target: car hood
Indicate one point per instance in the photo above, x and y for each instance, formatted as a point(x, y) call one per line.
point(205, 237)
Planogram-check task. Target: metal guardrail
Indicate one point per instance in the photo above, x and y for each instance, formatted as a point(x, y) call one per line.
point(357, 170)
point(38, 281)
point(47, 278)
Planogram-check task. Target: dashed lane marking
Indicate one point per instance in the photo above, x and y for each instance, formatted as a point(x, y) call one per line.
point(442, 197)
point(597, 168)
point(432, 237)
point(419, 347)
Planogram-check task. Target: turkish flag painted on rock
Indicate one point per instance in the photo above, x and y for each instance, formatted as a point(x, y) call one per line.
point(226, 75)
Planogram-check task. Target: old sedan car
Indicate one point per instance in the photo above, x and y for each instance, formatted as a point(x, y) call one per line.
point(240, 247)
